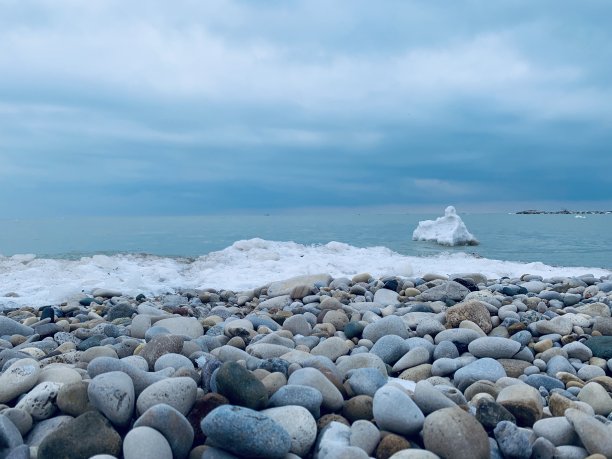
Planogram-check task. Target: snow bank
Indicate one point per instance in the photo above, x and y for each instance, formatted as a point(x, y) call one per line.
point(447, 230)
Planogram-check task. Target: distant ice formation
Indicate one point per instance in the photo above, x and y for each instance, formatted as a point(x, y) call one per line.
point(447, 230)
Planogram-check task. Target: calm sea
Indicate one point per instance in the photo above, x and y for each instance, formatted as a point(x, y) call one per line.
point(559, 240)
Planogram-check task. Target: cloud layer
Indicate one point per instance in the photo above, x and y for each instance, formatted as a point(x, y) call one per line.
point(147, 107)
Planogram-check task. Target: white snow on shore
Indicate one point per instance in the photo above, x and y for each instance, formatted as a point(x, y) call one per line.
point(448, 230)
point(244, 265)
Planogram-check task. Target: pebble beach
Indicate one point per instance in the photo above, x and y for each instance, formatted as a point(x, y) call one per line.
point(437, 366)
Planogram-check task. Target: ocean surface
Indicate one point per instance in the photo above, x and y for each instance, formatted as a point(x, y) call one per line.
point(50, 260)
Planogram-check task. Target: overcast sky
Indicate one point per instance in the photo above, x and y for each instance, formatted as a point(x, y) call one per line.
point(190, 107)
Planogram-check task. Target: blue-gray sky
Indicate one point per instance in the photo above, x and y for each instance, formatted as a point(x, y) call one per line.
point(189, 107)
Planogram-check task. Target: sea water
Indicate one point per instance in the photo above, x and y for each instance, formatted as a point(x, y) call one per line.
point(47, 261)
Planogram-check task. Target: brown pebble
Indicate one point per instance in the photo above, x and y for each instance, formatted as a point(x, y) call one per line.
point(238, 342)
point(418, 373)
point(197, 452)
point(543, 345)
point(516, 327)
point(72, 399)
point(359, 407)
point(329, 418)
point(200, 409)
point(391, 444)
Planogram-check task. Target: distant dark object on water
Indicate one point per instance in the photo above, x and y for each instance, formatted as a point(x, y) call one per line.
point(563, 212)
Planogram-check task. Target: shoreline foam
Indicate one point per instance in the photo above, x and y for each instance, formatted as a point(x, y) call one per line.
point(244, 265)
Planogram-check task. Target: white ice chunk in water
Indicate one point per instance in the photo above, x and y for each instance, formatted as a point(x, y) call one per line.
point(447, 230)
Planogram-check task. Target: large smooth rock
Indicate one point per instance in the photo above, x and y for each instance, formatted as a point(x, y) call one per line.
point(179, 393)
point(18, 378)
point(10, 327)
point(113, 395)
point(294, 394)
point(448, 291)
point(601, 346)
point(299, 424)
point(390, 325)
point(285, 287)
point(161, 345)
point(331, 348)
point(595, 395)
point(72, 399)
point(246, 432)
point(594, 435)
point(364, 435)
point(483, 369)
point(366, 381)
point(472, 310)
point(146, 442)
point(453, 433)
point(367, 360)
point(523, 401)
point(241, 387)
point(412, 358)
point(332, 398)
point(172, 425)
point(430, 399)
point(494, 347)
point(560, 325)
point(40, 401)
point(386, 297)
point(557, 430)
point(141, 379)
point(80, 438)
point(10, 437)
point(395, 411)
point(188, 326)
point(512, 441)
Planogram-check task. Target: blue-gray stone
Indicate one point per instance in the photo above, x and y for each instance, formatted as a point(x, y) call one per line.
point(155, 331)
point(208, 363)
point(512, 442)
point(446, 349)
point(416, 341)
point(259, 321)
point(559, 363)
point(92, 341)
point(486, 369)
point(295, 394)
point(494, 347)
point(10, 327)
point(605, 287)
point(447, 291)
point(240, 386)
point(390, 348)
point(245, 432)
point(524, 337)
point(172, 425)
point(461, 337)
point(601, 346)
point(366, 381)
point(10, 437)
point(141, 379)
point(390, 325)
point(548, 382)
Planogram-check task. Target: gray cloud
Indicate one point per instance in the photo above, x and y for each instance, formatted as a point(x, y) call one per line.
point(147, 107)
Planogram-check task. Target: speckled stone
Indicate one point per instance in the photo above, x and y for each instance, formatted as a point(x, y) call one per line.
point(81, 438)
point(451, 432)
point(246, 432)
point(18, 378)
